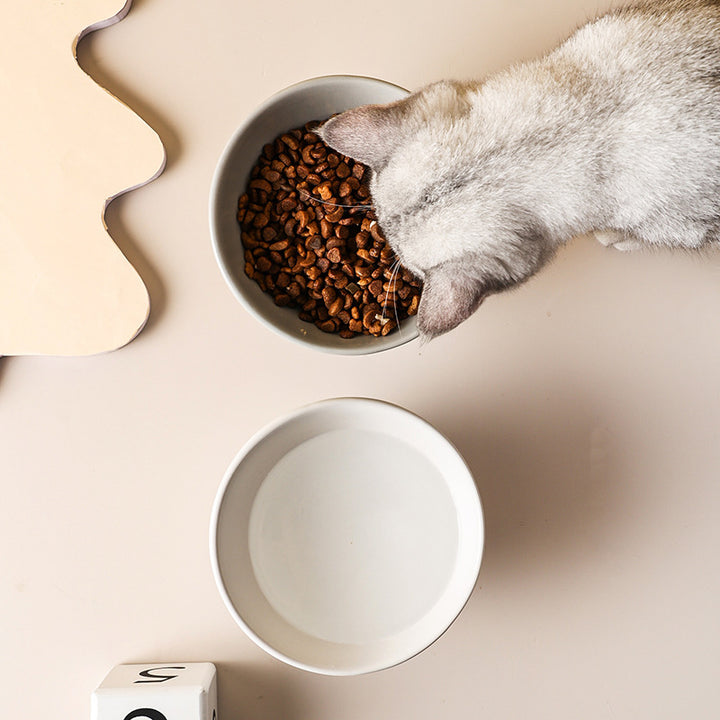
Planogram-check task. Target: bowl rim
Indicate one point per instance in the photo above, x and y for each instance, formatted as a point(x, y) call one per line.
point(471, 574)
point(398, 338)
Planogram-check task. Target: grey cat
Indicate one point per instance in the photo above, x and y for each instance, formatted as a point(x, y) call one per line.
point(616, 132)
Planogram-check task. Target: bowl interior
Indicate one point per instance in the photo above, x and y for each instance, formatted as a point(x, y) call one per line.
point(315, 99)
point(347, 537)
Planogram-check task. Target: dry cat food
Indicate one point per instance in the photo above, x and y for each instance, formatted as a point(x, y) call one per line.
point(312, 241)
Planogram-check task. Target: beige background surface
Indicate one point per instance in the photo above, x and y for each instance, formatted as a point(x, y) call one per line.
point(587, 404)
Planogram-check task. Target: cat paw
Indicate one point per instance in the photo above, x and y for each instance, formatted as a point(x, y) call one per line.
point(607, 237)
point(627, 245)
point(617, 240)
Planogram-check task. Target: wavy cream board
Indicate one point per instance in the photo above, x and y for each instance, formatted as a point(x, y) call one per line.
point(66, 148)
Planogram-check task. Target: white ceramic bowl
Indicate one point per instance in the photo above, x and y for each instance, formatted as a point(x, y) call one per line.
point(346, 537)
point(314, 99)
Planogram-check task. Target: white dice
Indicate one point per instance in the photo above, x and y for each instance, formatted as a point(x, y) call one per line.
point(170, 691)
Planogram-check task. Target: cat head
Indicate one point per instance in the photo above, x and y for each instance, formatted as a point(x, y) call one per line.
point(446, 198)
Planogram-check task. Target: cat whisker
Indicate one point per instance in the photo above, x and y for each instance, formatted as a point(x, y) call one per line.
point(395, 267)
point(384, 307)
point(394, 284)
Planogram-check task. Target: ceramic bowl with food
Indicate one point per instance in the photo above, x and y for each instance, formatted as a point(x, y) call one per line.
point(290, 109)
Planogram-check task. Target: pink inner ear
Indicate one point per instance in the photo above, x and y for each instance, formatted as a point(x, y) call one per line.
point(366, 134)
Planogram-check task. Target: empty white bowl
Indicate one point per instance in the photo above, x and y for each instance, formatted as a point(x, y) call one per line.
point(346, 537)
point(315, 99)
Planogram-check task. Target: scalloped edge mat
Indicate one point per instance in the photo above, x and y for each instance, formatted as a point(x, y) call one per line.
point(68, 147)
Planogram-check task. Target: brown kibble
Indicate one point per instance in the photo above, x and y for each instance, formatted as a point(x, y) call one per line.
point(289, 228)
point(269, 234)
point(334, 255)
point(260, 221)
point(302, 246)
point(288, 204)
point(328, 295)
point(315, 242)
point(280, 245)
point(324, 189)
point(260, 184)
point(334, 242)
point(362, 239)
point(308, 260)
point(375, 232)
point(313, 272)
point(303, 217)
point(283, 300)
point(336, 306)
point(272, 176)
point(291, 142)
point(375, 287)
point(327, 326)
point(363, 271)
point(307, 157)
point(334, 215)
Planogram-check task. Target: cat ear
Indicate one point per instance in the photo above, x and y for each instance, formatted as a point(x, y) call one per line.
point(368, 133)
point(451, 293)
